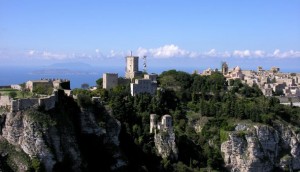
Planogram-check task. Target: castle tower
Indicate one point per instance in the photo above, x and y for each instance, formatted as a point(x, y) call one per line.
point(166, 122)
point(152, 123)
point(224, 68)
point(132, 66)
point(110, 80)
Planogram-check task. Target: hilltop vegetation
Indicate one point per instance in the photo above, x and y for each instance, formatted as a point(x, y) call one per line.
point(85, 135)
point(204, 110)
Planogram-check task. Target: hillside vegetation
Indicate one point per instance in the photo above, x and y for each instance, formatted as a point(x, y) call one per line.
point(112, 134)
point(204, 111)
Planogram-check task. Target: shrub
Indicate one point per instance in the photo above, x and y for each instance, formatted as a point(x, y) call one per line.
point(84, 100)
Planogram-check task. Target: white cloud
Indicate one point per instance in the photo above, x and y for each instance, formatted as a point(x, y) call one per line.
point(241, 53)
point(214, 53)
point(115, 54)
point(31, 52)
point(166, 51)
point(172, 51)
point(142, 52)
point(276, 52)
point(259, 53)
point(46, 55)
point(211, 52)
point(287, 54)
point(54, 56)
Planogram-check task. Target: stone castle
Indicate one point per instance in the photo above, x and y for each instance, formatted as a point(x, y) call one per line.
point(54, 83)
point(47, 102)
point(139, 82)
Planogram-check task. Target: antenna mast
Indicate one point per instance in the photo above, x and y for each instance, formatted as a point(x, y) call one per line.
point(145, 64)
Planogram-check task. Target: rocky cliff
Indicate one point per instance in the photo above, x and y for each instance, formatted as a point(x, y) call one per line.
point(59, 140)
point(165, 144)
point(260, 147)
point(39, 139)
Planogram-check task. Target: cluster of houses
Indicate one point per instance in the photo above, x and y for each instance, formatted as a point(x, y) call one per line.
point(271, 82)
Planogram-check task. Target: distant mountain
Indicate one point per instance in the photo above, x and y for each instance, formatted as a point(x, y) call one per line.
point(73, 65)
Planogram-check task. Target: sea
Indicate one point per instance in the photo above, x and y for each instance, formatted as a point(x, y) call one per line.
point(77, 75)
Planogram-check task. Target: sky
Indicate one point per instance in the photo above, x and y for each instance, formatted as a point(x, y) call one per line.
point(195, 33)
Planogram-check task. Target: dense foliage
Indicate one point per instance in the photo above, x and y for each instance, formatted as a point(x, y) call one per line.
point(190, 100)
point(204, 109)
point(43, 89)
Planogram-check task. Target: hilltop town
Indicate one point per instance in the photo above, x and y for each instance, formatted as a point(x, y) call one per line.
point(271, 82)
point(285, 86)
point(223, 119)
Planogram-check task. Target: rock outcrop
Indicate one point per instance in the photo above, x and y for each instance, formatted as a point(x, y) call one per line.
point(37, 140)
point(262, 148)
point(165, 144)
point(57, 140)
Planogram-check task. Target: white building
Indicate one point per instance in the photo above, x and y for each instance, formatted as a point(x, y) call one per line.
point(291, 91)
point(16, 87)
point(110, 80)
point(267, 90)
point(237, 73)
point(207, 72)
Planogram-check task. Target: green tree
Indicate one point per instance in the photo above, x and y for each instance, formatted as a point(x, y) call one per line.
point(99, 82)
point(84, 100)
point(12, 94)
point(43, 89)
point(85, 86)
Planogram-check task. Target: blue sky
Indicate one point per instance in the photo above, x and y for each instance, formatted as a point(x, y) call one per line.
point(171, 33)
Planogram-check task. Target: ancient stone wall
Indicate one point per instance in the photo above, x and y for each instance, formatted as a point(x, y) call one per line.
point(48, 102)
point(23, 104)
point(4, 101)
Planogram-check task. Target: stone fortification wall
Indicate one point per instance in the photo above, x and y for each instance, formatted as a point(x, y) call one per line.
point(4, 101)
point(48, 102)
point(23, 104)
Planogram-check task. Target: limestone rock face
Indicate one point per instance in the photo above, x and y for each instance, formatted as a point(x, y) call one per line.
point(20, 130)
point(59, 138)
point(88, 123)
point(165, 144)
point(261, 148)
